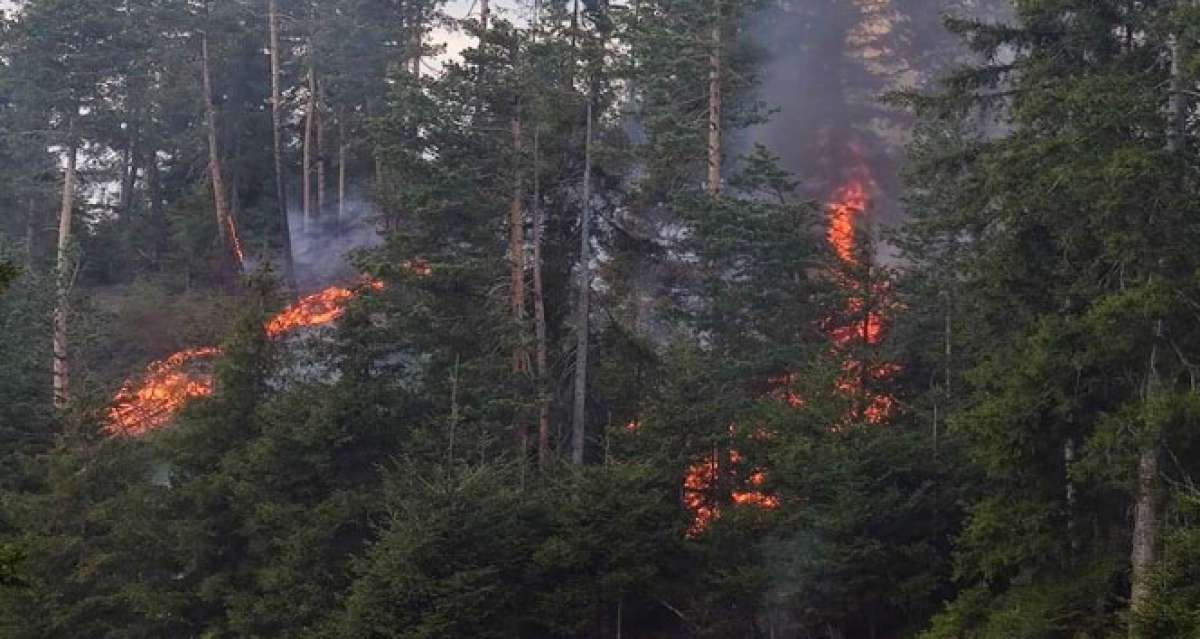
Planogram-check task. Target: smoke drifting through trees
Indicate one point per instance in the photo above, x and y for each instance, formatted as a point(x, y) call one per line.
point(321, 250)
point(828, 64)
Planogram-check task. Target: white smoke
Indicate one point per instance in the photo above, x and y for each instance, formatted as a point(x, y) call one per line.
point(321, 245)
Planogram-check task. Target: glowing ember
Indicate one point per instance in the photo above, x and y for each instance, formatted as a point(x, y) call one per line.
point(153, 400)
point(167, 384)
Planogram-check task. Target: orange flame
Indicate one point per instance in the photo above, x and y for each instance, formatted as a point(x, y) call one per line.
point(167, 384)
point(865, 306)
point(312, 310)
point(848, 203)
point(149, 403)
point(700, 484)
point(236, 243)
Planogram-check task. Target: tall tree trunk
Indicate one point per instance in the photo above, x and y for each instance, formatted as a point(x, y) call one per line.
point(157, 214)
point(1145, 532)
point(539, 298)
point(415, 61)
point(129, 170)
point(62, 372)
point(319, 148)
point(289, 267)
point(309, 127)
point(1144, 549)
point(31, 232)
point(579, 413)
point(226, 226)
point(714, 109)
point(1145, 508)
point(341, 208)
point(516, 257)
point(485, 14)
point(539, 309)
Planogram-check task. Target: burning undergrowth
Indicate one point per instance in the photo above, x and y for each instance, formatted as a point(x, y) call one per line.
point(151, 400)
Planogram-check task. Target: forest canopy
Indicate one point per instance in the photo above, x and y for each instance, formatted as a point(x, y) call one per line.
point(650, 319)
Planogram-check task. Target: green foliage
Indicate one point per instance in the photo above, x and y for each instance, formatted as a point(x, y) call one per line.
point(362, 479)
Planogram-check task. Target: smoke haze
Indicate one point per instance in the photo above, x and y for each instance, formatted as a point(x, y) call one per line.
point(320, 248)
point(828, 63)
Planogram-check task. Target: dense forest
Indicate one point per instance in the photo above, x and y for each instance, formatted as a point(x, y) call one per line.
point(653, 319)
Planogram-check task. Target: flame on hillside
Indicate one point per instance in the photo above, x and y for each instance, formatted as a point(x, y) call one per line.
point(317, 309)
point(149, 401)
point(145, 405)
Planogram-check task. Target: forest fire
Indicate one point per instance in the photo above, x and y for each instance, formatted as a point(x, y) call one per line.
point(864, 325)
point(863, 321)
point(141, 407)
point(848, 203)
point(317, 309)
point(703, 479)
point(150, 401)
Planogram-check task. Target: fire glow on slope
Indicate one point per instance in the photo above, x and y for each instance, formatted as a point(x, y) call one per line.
point(317, 309)
point(149, 402)
point(164, 388)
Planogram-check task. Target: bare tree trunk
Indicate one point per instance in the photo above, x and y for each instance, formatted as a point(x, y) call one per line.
point(714, 110)
point(31, 233)
point(516, 257)
point(1177, 101)
point(1143, 553)
point(579, 415)
point(1146, 514)
point(154, 184)
point(129, 169)
point(516, 246)
point(539, 309)
point(485, 14)
point(415, 61)
point(62, 372)
point(226, 227)
point(341, 208)
point(539, 298)
point(320, 151)
point(289, 268)
point(309, 124)
point(1145, 533)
